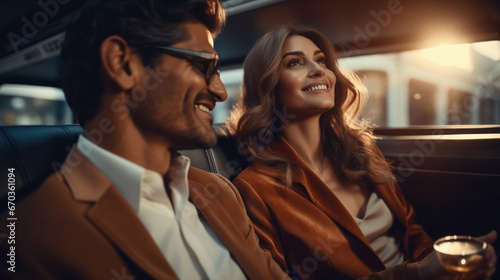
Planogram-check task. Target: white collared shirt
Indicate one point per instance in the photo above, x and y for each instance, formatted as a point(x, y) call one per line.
point(189, 244)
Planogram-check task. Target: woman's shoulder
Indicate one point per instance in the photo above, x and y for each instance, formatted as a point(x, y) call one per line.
point(254, 173)
point(258, 177)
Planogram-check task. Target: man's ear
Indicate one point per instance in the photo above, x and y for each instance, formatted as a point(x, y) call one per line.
point(118, 63)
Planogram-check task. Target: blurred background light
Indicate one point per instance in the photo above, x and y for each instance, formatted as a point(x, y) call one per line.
point(450, 55)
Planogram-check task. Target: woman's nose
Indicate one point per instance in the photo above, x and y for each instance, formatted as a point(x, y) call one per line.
point(315, 69)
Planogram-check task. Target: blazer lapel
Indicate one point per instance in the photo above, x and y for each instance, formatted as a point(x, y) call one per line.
point(110, 213)
point(214, 213)
point(118, 221)
point(222, 222)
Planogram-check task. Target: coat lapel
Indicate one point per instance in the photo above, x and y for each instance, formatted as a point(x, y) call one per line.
point(110, 213)
point(326, 201)
point(322, 197)
point(329, 204)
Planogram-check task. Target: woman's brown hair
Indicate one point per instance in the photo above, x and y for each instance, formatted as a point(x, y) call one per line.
point(347, 143)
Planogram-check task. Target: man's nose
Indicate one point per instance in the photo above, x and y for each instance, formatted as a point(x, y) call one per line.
point(217, 88)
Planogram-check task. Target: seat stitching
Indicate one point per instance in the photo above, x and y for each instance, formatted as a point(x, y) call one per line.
point(211, 160)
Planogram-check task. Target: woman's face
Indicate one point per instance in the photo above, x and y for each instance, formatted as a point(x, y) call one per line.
point(306, 86)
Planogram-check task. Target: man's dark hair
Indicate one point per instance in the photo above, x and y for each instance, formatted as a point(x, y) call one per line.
point(139, 22)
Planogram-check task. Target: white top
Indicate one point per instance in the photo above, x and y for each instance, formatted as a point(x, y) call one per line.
point(189, 244)
point(376, 226)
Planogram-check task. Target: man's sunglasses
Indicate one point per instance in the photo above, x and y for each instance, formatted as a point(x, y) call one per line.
point(206, 62)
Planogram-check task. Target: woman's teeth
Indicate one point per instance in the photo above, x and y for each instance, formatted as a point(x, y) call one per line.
point(317, 88)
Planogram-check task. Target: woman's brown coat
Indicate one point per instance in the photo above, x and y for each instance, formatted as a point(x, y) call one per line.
point(311, 234)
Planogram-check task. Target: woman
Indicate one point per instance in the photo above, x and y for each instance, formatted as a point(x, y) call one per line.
point(321, 196)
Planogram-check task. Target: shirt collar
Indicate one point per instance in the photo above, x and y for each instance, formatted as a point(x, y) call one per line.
point(178, 174)
point(130, 178)
point(122, 173)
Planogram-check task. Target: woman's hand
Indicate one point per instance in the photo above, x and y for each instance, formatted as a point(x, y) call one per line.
point(490, 255)
point(430, 268)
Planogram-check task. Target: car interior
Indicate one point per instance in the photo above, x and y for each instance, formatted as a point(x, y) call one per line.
point(446, 158)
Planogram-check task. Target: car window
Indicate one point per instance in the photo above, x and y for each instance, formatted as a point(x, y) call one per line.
point(443, 85)
point(33, 105)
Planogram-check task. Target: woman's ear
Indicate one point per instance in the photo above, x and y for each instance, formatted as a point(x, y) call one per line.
point(118, 64)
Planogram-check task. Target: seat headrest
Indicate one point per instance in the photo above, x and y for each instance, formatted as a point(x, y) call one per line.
point(35, 152)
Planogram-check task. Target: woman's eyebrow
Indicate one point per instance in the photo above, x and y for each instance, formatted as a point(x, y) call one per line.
point(292, 53)
point(299, 53)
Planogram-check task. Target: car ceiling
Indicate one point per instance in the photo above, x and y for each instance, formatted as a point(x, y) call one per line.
point(351, 25)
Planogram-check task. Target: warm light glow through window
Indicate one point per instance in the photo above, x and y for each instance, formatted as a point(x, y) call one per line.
point(490, 49)
point(450, 55)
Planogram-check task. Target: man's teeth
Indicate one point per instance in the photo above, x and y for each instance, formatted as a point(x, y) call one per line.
point(317, 88)
point(202, 107)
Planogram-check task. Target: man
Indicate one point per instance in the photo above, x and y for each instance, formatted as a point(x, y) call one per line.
point(141, 76)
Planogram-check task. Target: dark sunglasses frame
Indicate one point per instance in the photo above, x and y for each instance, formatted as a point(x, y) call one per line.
point(206, 62)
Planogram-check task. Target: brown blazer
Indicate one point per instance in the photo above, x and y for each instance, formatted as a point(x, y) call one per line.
point(78, 226)
point(311, 234)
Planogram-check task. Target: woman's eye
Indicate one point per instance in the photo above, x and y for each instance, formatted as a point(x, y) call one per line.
point(321, 61)
point(294, 62)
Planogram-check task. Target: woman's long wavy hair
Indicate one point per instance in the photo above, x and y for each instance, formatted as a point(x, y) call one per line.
point(346, 142)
